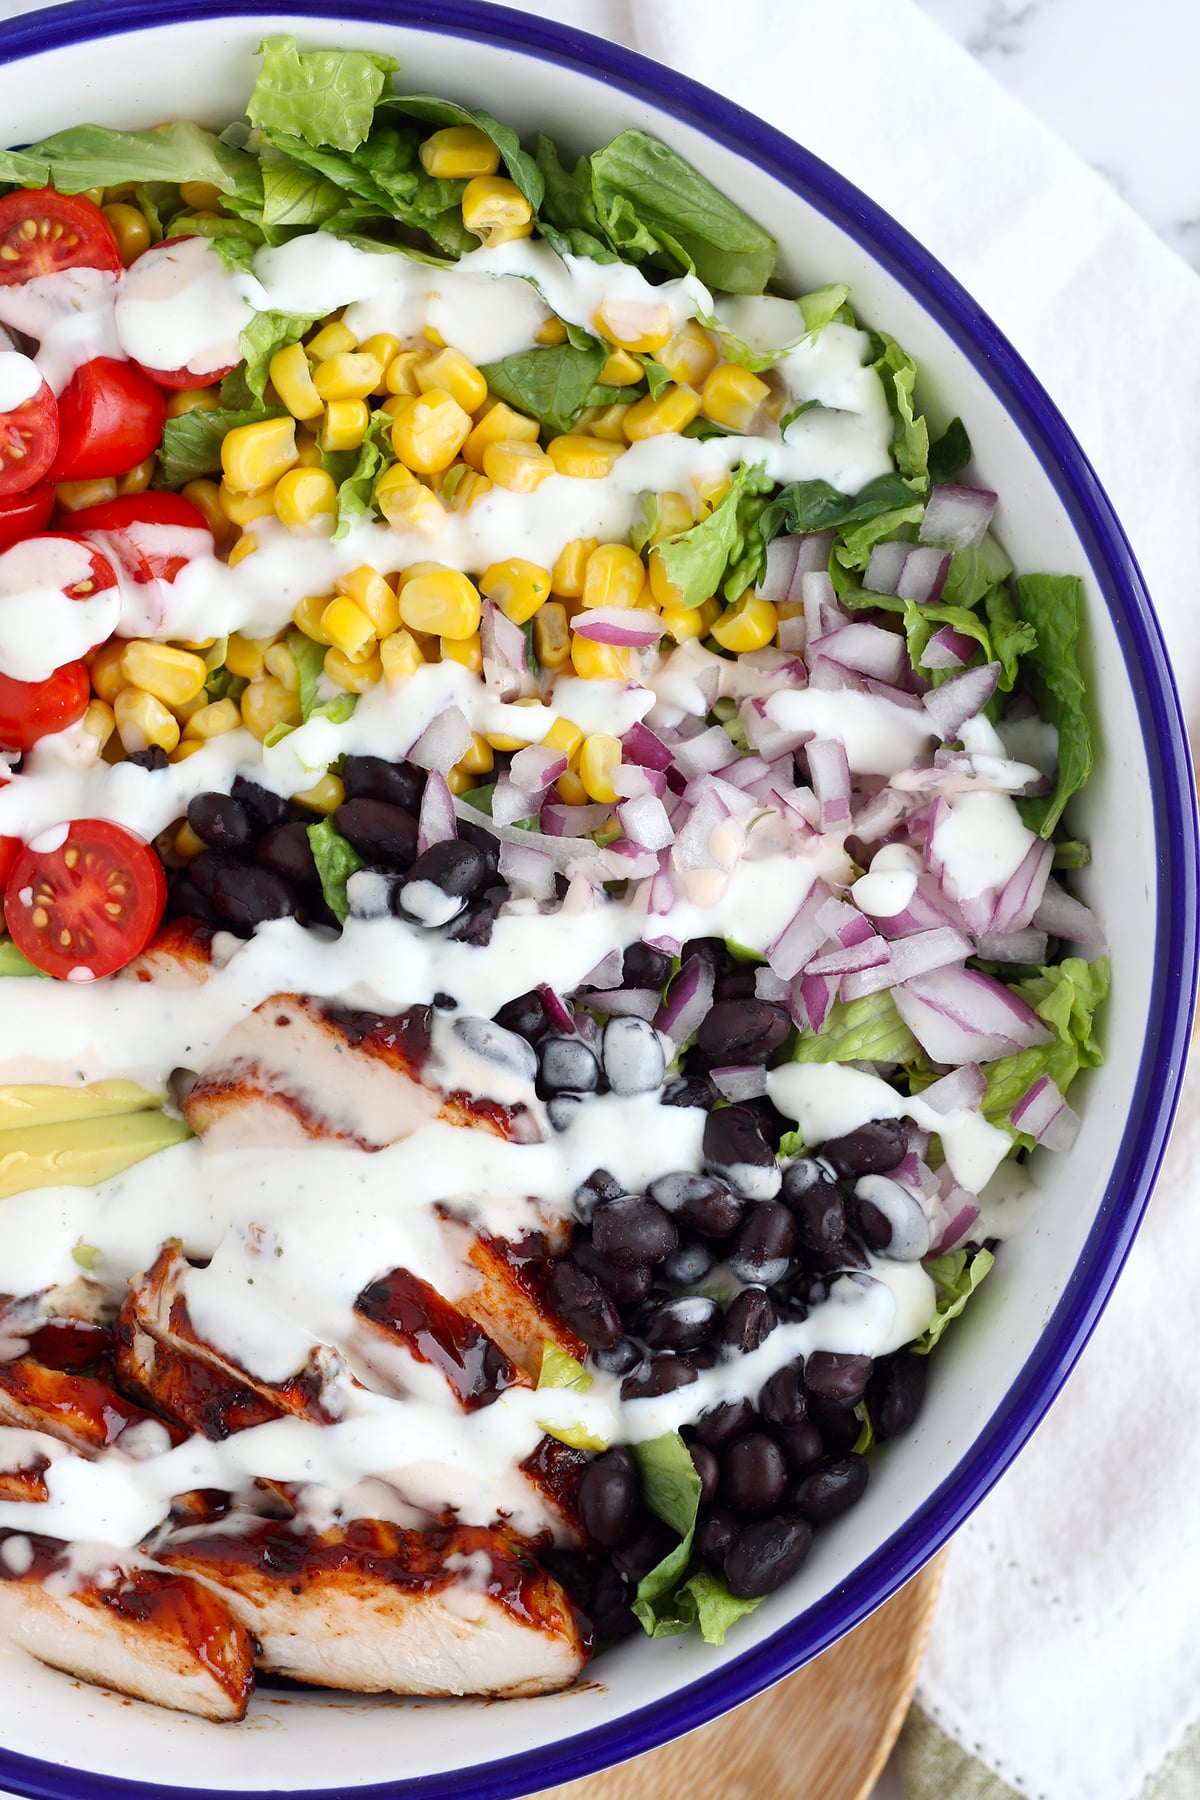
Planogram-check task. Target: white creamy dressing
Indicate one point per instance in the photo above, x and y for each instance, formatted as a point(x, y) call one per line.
point(881, 738)
point(40, 628)
point(178, 307)
point(20, 379)
point(70, 314)
point(981, 843)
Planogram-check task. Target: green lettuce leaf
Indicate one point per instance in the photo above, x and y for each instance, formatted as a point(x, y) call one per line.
point(1072, 853)
point(191, 444)
point(974, 572)
point(671, 1488)
point(791, 1144)
point(266, 333)
point(1066, 996)
point(553, 384)
point(1004, 638)
point(883, 507)
point(358, 479)
point(1053, 605)
point(336, 862)
point(13, 963)
point(956, 1277)
point(865, 1030)
point(522, 168)
point(568, 215)
point(704, 1599)
point(326, 96)
point(89, 156)
point(309, 659)
point(949, 454)
point(697, 560)
point(1012, 636)
point(910, 434)
point(822, 307)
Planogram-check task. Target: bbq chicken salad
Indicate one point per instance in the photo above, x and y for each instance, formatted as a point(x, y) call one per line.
point(538, 932)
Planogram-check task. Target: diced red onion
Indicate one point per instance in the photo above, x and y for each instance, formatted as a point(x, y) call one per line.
point(1028, 946)
point(607, 972)
point(438, 821)
point(510, 802)
point(830, 771)
point(801, 937)
point(1045, 1115)
point(694, 846)
point(812, 555)
point(949, 649)
point(625, 1003)
point(561, 821)
point(924, 574)
point(534, 769)
point(641, 745)
point(960, 699)
point(918, 954)
point(843, 922)
point(529, 871)
point(961, 1015)
point(631, 781)
point(645, 821)
point(703, 755)
point(771, 987)
point(745, 1082)
point(503, 646)
point(822, 613)
point(960, 1091)
point(663, 892)
point(957, 516)
point(866, 649)
point(781, 567)
point(876, 816)
point(884, 567)
point(627, 861)
point(688, 1000)
point(582, 895)
point(870, 954)
point(818, 993)
point(557, 1011)
point(791, 632)
point(914, 1173)
point(768, 738)
point(1063, 916)
point(960, 1209)
point(746, 771)
point(444, 741)
point(1021, 895)
point(626, 627)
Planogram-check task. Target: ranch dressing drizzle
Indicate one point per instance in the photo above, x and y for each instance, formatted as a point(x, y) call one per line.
point(40, 628)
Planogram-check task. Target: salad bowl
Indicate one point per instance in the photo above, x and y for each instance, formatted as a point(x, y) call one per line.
point(132, 62)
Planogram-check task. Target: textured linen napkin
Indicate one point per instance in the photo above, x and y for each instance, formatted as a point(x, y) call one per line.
point(1065, 1659)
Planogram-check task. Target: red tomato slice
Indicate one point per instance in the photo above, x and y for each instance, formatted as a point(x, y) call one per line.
point(100, 576)
point(30, 710)
point(92, 904)
point(110, 418)
point(24, 515)
point(185, 378)
point(69, 232)
point(28, 440)
point(9, 851)
point(118, 521)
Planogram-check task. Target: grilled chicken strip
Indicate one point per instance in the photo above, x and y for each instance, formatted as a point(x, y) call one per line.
point(179, 955)
point(162, 1357)
point(508, 1298)
point(85, 1411)
point(298, 1068)
point(377, 1609)
point(402, 1309)
point(160, 1637)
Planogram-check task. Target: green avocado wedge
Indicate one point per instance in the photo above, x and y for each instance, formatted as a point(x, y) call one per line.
point(37, 1104)
point(81, 1152)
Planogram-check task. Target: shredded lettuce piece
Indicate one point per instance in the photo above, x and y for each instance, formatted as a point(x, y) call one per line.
point(326, 96)
point(89, 156)
point(336, 862)
point(266, 333)
point(865, 1030)
point(698, 559)
point(553, 384)
point(668, 1600)
point(357, 473)
point(13, 963)
point(1066, 995)
point(975, 571)
point(309, 658)
point(949, 454)
point(910, 434)
point(881, 508)
point(1053, 605)
point(791, 1144)
point(956, 1278)
point(522, 167)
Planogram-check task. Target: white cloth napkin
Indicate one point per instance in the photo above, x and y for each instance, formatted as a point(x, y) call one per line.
point(1065, 1653)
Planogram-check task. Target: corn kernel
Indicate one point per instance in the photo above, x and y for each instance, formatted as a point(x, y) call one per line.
point(584, 458)
point(280, 662)
point(73, 496)
point(400, 376)
point(711, 487)
point(244, 655)
point(184, 709)
point(430, 431)
point(205, 496)
point(143, 722)
point(99, 721)
point(731, 396)
point(254, 456)
point(499, 425)
point(201, 196)
point(750, 625)
point(599, 760)
point(467, 651)
point(172, 676)
point(400, 656)
point(350, 375)
point(517, 467)
point(564, 736)
point(690, 356)
point(385, 348)
point(459, 782)
point(607, 422)
point(551, 332)
point(569, 572)
point(186, 844)
point(214, 720)
point(184, 748)
point(571, 790)
point(446, 603)
point(333, 339)
point(675, 515)
point(450, 372)
point(621, 370)
point(516, 738)
point(105, 670)
point(345, 425)
point(471, 488)
point(518, 587)
point(187, 400)
point(551, 639)
point(308, 450)
point(674, 409)
point(306, 616)
point(459, 153)
point(349, 629)
point(684, 623)
point(137, 479)
point(353, 677)
point(377, 598)
point(613, 576)
point(634, 324)
point(292, 380)
point(598, 662)
point(242, 508)
point(411, 508)
point(492, 203)
point(479, 759)
point(665, 593)
point(305, 499)
point(324, 797)
point(266, 704)
point(246, 546)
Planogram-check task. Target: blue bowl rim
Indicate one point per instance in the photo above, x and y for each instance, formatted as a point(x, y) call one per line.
point(1168, 1032)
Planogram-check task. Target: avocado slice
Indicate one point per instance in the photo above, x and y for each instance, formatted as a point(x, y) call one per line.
point(81, 1152)
point(35, 1104)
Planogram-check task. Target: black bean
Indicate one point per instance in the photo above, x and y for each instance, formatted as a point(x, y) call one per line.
point(628, 1286)
point(632, 1230)
point(264, 809)
point(769, 1119)
point(610, 1498)
point(484, 1038)
point(204, 869)
point(633, 1056)
point(526, 1015)
point(837, 1376)
point(783, 1400)
point(801, 1444)
point(619, 1358)
point(816, 1202)
point(871, 1150)
point(839, 1425)
point(742, 1031)
point(737, 985)
point(749, 1322)
point(764, 1244)
point(584, 1306)
point(689, 1262)
point(249, 897)
point(895, 1392)
point(185, 901)
point(441, 880)
point(219, 821)
point(652, 1540)
point(690, 1091)
point(831, 1488)
point(487, 846)
point(866, 1220)
point(379, 832)
point(600, 1185)
point(736, 1150)
point(766, 1554)
point(474, 924)
point(715, 1532)
point(681, 1324)
point(702, 1202)
point(722, 1423)
point(753, 1475)
point(372, 778)
point(317, 910)
point(287, 851)
point(566, 1065)
point(845, 1254)
point(153, 759)
point(888, 1218)
point(645, 967)
point(658, 1375)
point(713, 951)
point(608, 1605)
point(707, 1468)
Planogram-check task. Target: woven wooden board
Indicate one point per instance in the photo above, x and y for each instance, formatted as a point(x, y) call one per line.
point(823, 1734)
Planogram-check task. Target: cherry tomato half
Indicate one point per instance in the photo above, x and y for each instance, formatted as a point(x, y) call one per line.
point(10, 848)
point(28, 441)
point(30, 710)
point(68, 232)
point(183, 377)
point(118, 520)
point(92, 904)
point(110, 418)
point(24, 515)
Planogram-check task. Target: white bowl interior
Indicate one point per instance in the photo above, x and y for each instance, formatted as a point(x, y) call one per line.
point(203, 70)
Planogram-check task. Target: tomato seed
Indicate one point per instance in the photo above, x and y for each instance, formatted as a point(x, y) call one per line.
point(71, 856)
point(29, 228)
point(113, 910)
point(41, 918)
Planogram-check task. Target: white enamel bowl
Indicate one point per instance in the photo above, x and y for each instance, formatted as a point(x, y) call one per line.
point(132, 62)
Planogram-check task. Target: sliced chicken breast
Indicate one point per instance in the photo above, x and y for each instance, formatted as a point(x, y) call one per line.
point(402, 1309)
point(508, 1297)
point(179, 955)
point(377, 1609)
point(85, 1411)
point(162, 1637)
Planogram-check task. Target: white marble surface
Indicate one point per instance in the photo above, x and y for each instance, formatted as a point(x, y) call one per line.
point(1115, 80)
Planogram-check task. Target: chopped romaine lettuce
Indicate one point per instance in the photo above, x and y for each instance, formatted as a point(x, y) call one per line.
point(325, 96)
point(956, 1277)
point(553, 385)
point(336, 862)
point(91, 156)
point(1053, 605)
point(865, 1030)
point(559, 1369)
point(949, 454)
point(697, 560)
point(1066, 995)
point(910, 434)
